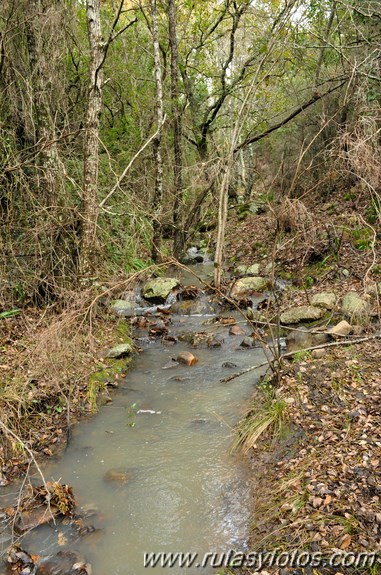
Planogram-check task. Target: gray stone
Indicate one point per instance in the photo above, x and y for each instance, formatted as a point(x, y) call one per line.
point(246, 286)
point(355, 308)
point(195, 307)
point(242, 270)
point(121, 350)
point(318, 353)
point(325, 299)
point(255, 315)
point(123, 307)
point(373, 290)
point(297, 340)
point(158, 289)
point(301, 313)
point(319, 338)
point(248, 342)
point(343, 328)
point(253, 270)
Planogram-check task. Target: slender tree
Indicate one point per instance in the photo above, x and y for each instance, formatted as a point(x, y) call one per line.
point(91, 138)
point(177, 132)
point(158, 191)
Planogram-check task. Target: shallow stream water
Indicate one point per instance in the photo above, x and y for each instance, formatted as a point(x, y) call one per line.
point(187, 492)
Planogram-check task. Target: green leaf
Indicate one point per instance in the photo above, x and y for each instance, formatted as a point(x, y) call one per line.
point(9, 313)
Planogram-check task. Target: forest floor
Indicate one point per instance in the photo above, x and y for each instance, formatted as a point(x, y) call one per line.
point(317, 468)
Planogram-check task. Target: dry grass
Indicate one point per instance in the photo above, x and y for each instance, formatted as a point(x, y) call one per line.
point(293, 217)
point(47, 368)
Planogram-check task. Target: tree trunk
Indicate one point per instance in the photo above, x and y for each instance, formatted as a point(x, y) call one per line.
point(222, 220)
point(90, 208)
point(51, 173)
point(178, 240)
point(158, 192)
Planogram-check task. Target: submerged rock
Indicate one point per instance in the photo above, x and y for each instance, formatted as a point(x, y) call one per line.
point(302, 313)
point(229, 365)
point(30, 519)
point(246, 286)
point(64, 563)
point(118, 475)
point(158, 289)
point(194, 307)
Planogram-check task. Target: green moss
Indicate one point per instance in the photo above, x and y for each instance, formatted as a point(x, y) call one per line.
point(105, 373)
point(362, 238)
point(376, 270)
point(123, 331)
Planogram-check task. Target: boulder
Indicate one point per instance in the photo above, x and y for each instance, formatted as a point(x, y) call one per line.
point(158, 289)
point(343, 328)
point(120, 350)
point(302, 313)
point(355, 308)
point(325, 299)
point(246, 286)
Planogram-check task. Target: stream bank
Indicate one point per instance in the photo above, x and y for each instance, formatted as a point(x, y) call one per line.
point(153, 471)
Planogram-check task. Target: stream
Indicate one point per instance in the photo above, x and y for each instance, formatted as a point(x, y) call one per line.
point(171, 430)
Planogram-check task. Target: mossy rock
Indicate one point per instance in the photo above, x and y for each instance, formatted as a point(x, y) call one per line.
point(303, 313)
point(122, 307)
point(246, 286)
point(119, 350)
point(325, 300)
point(158, 289)
point(355, 308)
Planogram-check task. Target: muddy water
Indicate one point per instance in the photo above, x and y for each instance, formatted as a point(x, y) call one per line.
point(185, 490)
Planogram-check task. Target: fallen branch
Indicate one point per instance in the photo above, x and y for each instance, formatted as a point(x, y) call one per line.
point(291, 353)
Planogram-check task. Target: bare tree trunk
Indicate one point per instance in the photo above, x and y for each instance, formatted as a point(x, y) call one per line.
point(222, 220)
point(158, 192)
point(90, 208)
point(178, 240)
point(51, 170)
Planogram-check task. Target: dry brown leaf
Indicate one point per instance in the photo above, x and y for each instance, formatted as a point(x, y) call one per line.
point(346, 541)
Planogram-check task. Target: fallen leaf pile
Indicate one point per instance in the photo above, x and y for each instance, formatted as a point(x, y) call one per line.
point(323, 482)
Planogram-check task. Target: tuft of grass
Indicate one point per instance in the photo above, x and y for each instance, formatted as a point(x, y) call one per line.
point(267, 415)
point(362, 238)
point(301, 355)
